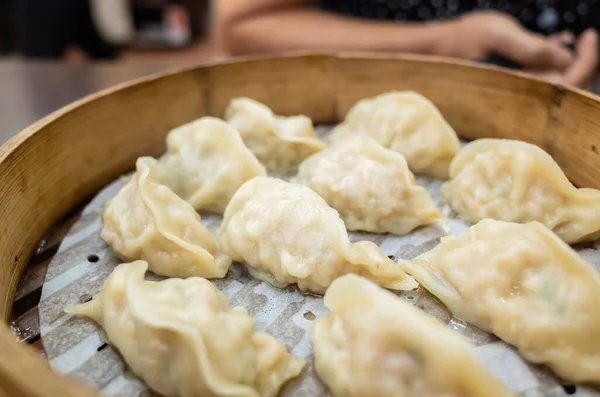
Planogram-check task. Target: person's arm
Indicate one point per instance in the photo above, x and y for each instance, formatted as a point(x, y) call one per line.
point(279, 25)
point(246, 26)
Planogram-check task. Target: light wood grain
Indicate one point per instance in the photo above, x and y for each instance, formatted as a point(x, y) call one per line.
point(575, 137)
point(289, 86)
point(59, 161)
point(56, 163)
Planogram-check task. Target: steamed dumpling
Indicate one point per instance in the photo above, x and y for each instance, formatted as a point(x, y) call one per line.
point(370, 186)
point(287, 234)
point(375, 344)
point(280, 143)
point(407, 123)
point(515, 181)
point(146, 220)
point(524, 284)
point(182, 338)
point(206, 162)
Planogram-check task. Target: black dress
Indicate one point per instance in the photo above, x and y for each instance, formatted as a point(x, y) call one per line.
point(543, 16)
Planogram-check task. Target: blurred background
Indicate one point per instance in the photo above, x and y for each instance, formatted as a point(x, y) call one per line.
point(75, 30)
point(55, 51)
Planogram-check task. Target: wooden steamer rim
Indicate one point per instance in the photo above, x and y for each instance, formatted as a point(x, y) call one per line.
point(64, 158)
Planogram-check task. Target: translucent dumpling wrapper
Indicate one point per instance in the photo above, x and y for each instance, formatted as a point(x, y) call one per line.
point(373, 344)
point(286, 234)
point(182, 338)
point(280, 143)
point(206, 162)
point(371, 187)
point(515, 181)
point(407, 123)
point(146, 220)
point(524, 284)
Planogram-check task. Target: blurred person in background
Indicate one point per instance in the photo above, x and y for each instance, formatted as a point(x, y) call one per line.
point(6, 40)
point(100, 29)
point(46, 28)
point(553, 39)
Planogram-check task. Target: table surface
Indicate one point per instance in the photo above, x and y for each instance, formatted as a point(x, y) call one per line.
point(31, 90)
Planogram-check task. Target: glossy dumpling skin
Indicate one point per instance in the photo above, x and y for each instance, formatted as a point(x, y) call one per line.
point(280, 143)
point(146, 220)
point(374, 344)
point(206, 162)
point(182, 338)
point(524, 284)
point(287, 234)
point(407, 123)
point(371, 187)
point(515, 181)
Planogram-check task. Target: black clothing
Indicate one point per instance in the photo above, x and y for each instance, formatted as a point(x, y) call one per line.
point(543, 16)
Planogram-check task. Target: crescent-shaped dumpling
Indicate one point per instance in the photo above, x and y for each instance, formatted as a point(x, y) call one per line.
point(206, 162)
point(373, 344)
point(287, 234)
point(515, 181)
point(182, 338)
point(524, 284)
point(146, 220)
point(370, 186)
point(280, 143)
point(408, 123)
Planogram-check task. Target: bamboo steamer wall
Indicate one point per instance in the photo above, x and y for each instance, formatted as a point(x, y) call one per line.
point(59, 161)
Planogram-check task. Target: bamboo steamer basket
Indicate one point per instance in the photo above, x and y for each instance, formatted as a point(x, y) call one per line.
point(50, 167)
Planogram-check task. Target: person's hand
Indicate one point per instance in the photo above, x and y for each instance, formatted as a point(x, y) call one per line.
point(480, 34)
point(582, 68)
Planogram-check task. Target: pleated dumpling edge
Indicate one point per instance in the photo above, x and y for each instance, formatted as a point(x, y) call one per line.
point(184, 340)
point(370, 186)
point(286, 234)
point(206, 162)
point(146, 220)
point(279, 142)
point(374, 344)
point(524, 284)
point(515, 181)
point(406, 122)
